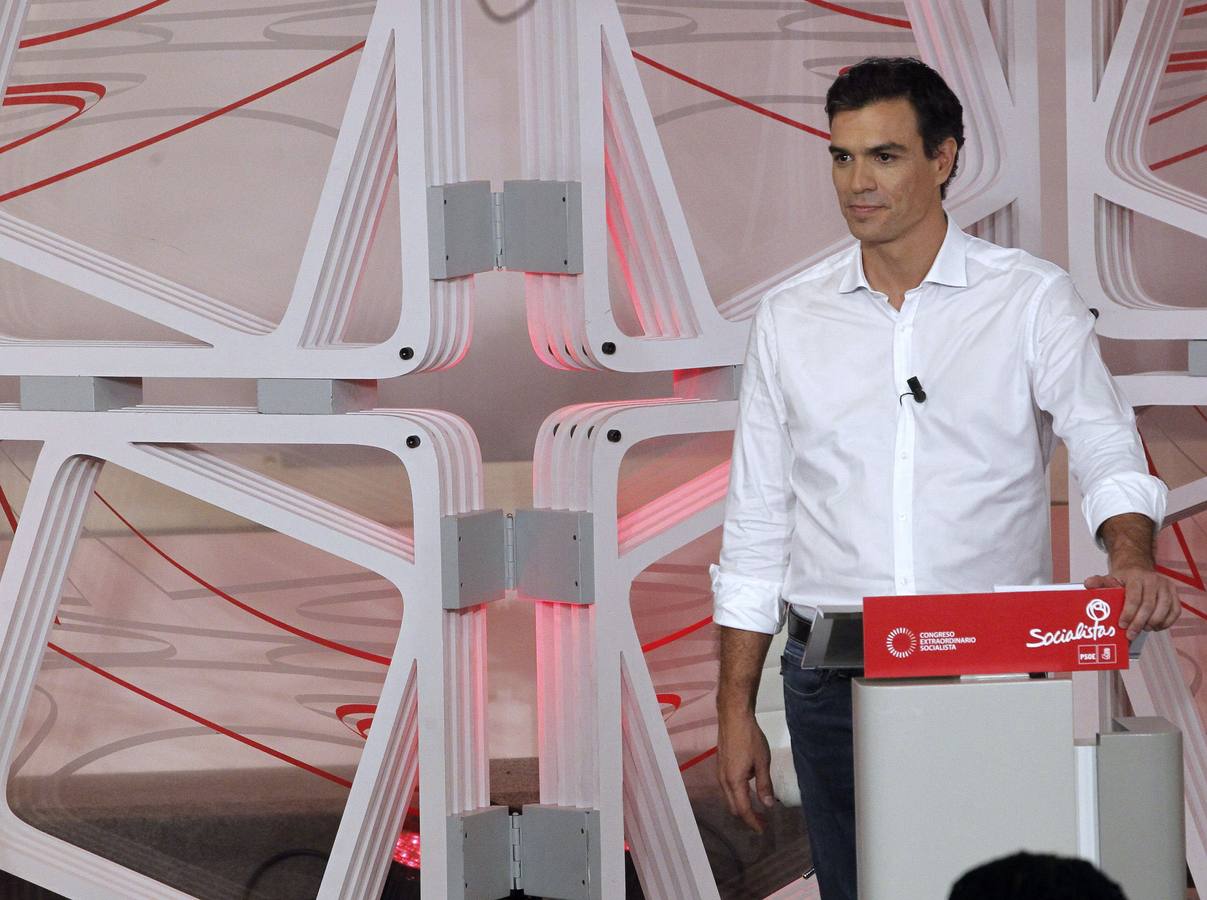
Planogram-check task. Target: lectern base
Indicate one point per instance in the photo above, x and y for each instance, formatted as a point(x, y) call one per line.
point(951, 774)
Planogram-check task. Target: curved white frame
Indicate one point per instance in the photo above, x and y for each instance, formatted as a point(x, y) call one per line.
point(429, 724)
point(406, 107)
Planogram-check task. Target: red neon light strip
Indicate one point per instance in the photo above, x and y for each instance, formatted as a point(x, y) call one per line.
point(724, 95)
point(91, 26)
point(1181, 156)
point(213, 726)
point(859, 14)
point(1177, 109)
point(674, 636)
point(172, 132)
point(251, 610)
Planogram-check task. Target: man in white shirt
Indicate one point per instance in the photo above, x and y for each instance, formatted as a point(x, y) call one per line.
point(845, 485)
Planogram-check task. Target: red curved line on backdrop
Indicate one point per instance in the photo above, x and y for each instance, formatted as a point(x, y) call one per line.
point(1195, 10)
point(91, 26)
point(724, 95)
point(696, 760)
point(672, 700)
point(1181, 156)
point(859, 14)
point(675, 635)
point(1177, 109)
point(51, 99)
point(192, 123)
point(213, 726)
point(251, 610)
point(1187, 67)
point(8, 511)
point(1187, 54)
point(88, 87)
point(35, 95)
point(351, 709)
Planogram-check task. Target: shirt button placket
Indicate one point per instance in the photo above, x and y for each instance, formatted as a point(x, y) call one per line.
point(903, 472)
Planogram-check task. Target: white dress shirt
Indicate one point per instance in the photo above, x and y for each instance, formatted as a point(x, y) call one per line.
point(840, 488)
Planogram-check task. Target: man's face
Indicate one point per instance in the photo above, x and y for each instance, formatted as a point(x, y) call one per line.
point(885, 182)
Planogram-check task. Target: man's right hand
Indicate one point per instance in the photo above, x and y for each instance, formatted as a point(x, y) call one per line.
point(742, 754)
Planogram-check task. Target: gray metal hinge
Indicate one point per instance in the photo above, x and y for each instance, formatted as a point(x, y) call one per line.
point(499, 231)
point(530, 226)
point(516, 833)
point(509, 549)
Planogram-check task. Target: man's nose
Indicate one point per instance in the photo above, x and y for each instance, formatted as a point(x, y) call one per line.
point(862, 177)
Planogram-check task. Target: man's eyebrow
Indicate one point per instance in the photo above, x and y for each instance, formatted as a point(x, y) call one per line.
point(891, 147)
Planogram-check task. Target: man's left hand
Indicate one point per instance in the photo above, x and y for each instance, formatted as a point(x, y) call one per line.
point(1150, 599)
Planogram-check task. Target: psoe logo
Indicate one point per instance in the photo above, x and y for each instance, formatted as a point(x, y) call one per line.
point(901, 642)
point(1096, 611)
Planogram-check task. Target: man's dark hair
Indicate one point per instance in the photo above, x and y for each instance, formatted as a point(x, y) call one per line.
point(940, 115)
point(1029, 876)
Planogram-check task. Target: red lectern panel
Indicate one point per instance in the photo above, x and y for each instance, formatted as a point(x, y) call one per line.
point(984, 634)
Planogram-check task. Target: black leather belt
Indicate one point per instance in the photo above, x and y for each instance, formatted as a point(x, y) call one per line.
point(798, 626)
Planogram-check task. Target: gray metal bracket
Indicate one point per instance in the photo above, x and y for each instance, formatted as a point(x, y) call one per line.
point(545, 851)
point(1196, 357)
point(314, 396)
point(531, 226)
point(475, 558)
point(553, 555)
point(79, 393)
point(479, 854)
point(461, 229)
point(542, 227)
point(560, 852)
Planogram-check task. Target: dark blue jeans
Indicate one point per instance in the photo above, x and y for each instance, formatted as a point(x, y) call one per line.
point(818, 707)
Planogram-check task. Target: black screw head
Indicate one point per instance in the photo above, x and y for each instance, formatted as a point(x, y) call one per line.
point(614, 435)
point(608, 348)
point(413, 441)
point(406, 353)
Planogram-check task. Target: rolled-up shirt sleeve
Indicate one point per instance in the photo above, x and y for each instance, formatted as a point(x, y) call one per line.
point(1089, 414)
point(748, 583)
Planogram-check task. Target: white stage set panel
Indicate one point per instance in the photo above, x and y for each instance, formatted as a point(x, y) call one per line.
point(196, 220)
point(1137, 216)
point(701, 148)
point(1136, 170)
point(125, 684)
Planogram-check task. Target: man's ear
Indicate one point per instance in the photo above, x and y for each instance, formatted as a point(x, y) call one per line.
point(945, 159)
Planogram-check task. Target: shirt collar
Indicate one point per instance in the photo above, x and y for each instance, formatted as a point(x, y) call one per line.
point(950, 266)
